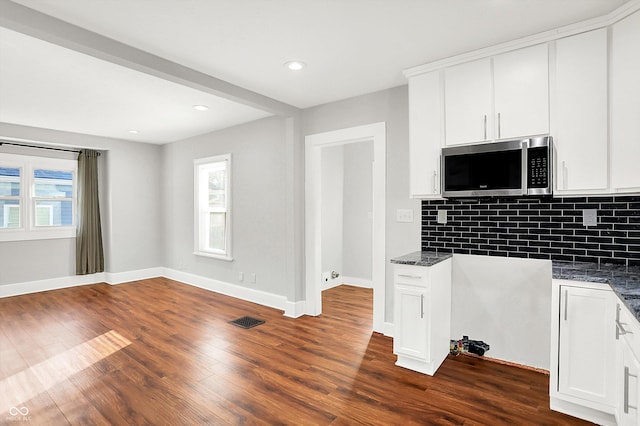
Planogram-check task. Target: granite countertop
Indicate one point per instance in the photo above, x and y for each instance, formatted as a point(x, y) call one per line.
point(421, 258)
point(625, 281)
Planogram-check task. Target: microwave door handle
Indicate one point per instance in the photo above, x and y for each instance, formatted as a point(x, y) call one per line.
point(525, 168)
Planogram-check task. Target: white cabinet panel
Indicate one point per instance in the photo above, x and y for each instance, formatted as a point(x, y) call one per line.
point(587, 345)
point(625, 104)
point(468, 102)
point(581, 115)
point(629, 387)
point(506, 96)
point(521, 80)
point(422, 313)
point(425, 134)
point(411, 322)
point(628, 367)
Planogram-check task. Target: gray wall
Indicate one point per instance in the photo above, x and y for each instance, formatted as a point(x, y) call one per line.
point(130, 202)
point(258, 203)
point(332, 208)
point(358, 205)
point(390, 106)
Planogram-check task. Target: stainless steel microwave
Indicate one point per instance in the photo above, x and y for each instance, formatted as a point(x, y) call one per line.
point(509, 168)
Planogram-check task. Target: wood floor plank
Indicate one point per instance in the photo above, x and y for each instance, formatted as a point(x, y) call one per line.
point(173, 358)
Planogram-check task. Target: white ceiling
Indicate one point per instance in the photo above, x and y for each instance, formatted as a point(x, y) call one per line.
point(351, 47)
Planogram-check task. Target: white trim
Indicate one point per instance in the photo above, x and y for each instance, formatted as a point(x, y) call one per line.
point(28, 229)
point(115, 278)
point(227, 253)
point(9, 290)
point(375, 132)
point(388, 329)
point(544, 37)
point(294, 309)
point(356, 282)
point(256, 296)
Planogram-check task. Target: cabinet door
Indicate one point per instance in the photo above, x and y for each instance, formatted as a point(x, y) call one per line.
point(425, 134)
point(629, 388)
point(521, 81)
point(581, 114)
point(625, 104)
point(587, 344)
point(628, 367)
point(411, 328)
point(468, 101)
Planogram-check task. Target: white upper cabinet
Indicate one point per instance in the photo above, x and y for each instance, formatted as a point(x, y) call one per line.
point(580, 113)
point(468, 102)
point(625, 104)
point(425, 134)
point(521, 81)
point(506, 96)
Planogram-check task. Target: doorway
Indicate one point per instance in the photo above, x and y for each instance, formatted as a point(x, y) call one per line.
point(374, 133)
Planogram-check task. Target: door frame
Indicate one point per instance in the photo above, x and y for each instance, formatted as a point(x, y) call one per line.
point(376, 133)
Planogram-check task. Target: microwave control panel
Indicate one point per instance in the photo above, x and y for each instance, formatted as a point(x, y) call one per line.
point(538, 167)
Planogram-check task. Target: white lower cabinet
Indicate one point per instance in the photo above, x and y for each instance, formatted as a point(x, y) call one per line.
point(422, 313)
point(583, 347)
point(628, 368)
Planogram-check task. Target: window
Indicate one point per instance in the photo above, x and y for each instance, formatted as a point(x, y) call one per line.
point(37, 197)
point(212, 195)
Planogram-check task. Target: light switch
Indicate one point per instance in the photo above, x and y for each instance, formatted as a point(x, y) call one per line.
point(404, 215)
point(590, 217)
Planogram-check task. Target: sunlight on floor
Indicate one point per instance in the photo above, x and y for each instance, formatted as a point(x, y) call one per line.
point(21, 387)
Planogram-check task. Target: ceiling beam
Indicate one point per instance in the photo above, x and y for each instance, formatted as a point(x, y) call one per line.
point(30, 22)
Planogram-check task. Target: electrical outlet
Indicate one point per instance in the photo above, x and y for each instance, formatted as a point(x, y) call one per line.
point(240, 276)
point(590, 217)
point(442, 217)
point(252, 277)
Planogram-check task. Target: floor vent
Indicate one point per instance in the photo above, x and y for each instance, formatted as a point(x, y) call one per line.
point(247, 322)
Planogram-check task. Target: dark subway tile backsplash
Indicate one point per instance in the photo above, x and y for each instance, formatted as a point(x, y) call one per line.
point(537, 228)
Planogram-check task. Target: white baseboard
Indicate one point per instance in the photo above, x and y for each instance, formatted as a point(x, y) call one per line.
point(388, 329)
point(291, 309)
point(114, 278)
point(256, 296)
point(356, 282)
point(295, 309)
point(9, 290)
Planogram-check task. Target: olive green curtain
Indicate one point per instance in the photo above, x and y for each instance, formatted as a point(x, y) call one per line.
point(89, 251)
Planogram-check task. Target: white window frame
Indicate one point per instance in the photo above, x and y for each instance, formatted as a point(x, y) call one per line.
point(28, 229)
point(200, 196)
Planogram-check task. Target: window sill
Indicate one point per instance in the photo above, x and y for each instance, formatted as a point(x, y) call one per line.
point(214, 256)
point(40, 234)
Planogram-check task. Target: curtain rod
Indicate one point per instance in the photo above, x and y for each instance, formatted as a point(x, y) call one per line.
point(40, 147)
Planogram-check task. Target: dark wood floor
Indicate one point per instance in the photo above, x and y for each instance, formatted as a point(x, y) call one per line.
point(160, 352)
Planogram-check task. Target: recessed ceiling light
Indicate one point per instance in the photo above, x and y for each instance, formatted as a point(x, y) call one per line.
point(295, 65)
point(133, 132)
point(201, 107)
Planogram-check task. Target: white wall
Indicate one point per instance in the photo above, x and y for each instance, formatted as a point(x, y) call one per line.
point(390, 106)
point(358, 205)
point(130, 195)
point(505, 302)
point(332, 208)
point(259, 212)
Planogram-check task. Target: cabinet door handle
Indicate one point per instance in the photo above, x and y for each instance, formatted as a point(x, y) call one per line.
point(621, 329)
point(419, 277)
point(485, 127)
point(499, 130)
point(435, 179)
point(566, 303)
point(422, 306)
point(565, 174)
point(626, 391)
